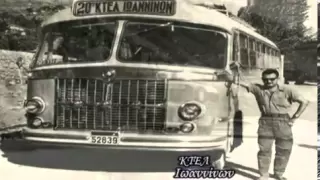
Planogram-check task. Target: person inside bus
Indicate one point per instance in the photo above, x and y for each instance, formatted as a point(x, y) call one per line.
point(66, 49)
point(125, 50)
point(60, 49)
point(275, 124)
point(98, 48)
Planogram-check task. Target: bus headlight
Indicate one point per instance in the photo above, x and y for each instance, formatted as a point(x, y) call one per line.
point(35, 106)
point(189, 111)
point(187, 127)
point(36, 122)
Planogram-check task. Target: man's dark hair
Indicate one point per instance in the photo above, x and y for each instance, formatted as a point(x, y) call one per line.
point(270, 71)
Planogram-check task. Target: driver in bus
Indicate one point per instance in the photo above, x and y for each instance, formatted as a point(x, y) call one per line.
point(59, 48)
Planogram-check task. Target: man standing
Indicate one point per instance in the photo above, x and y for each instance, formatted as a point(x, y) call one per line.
point(275, 101)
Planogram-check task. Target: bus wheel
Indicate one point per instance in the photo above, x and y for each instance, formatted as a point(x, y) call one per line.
point(220, 163)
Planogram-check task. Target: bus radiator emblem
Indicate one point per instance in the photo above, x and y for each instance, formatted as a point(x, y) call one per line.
point(109, 75)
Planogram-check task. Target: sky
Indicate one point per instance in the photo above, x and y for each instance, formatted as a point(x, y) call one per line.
point(313, 15)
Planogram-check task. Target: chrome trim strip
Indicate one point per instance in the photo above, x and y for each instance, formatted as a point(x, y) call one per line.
point(130, 139)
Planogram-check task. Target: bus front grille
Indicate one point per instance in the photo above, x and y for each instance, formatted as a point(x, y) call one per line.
point(126, 105)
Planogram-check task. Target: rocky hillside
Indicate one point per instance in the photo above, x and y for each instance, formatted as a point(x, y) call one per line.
point(12, 87)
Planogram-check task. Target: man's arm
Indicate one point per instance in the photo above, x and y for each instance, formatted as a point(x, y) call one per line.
point(251, 88)
point(302, 107)
point(244, 85)
point(303, 103)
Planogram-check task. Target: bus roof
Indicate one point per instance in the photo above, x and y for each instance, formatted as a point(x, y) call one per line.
point(185, 12)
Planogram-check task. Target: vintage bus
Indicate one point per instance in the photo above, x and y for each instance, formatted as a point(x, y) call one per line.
point(142, 75)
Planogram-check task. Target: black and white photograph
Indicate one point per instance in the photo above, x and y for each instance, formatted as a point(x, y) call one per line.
point(110, 89)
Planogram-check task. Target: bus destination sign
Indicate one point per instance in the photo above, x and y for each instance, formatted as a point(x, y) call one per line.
point(152, 7)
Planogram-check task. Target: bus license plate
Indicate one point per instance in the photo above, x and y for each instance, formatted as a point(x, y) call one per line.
point(107, 140)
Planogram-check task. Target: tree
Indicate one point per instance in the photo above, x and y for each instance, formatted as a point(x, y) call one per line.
point(28, 19)
point(279, 20)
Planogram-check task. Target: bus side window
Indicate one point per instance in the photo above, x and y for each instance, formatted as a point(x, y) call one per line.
point(253, 59)
point(235, 47)
point(276, 58)
point(271, 58)
point(259, 56)
point(274, 61)
point(265, 56)
point(244, 56)
point(263, 63)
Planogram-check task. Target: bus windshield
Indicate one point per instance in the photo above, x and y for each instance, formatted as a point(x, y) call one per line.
point(173, 44)
point(81, 43)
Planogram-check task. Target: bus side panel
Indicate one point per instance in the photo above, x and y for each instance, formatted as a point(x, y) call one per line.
point(45, 89)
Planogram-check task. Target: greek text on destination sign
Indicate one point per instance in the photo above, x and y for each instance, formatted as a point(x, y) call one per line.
point(152, 7)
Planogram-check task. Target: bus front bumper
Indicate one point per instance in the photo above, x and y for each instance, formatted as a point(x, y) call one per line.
point(127, 141)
